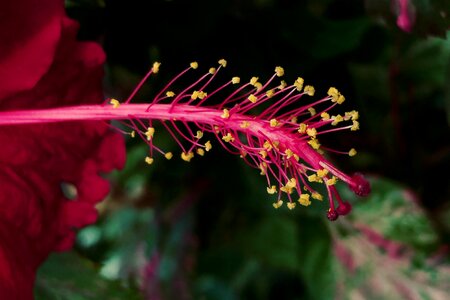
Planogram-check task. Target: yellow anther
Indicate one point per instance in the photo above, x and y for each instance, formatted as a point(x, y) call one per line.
point(299, 83)
point(199, 134)
point(272, 190)
point(312, 132)
point(235, 80)
point(115, 103)
point(155, 67)
point(291, 205)
point(317, 196)
point(267, 145)
point(133, 134)
point(322, 173)
point(288, 153)
point(187, 156)
point(258, 86)
point(352, 152)
point(149, 160)
point(302, 128)
point(275, 144)
point(340, 99)
point(325, 116)
point(282, 85)
point(288, 188)
point(244, 124)
point(212, 70)
point(314, 143)
point(253, 80)
point(336, 119)
point(274, 123)
point(194, 65)
point(228, 138)
point(296, 157)
point(355, 126)
point(353, 115)
point(226, 114)
point(194, 95)
point(202, 94)
point(149, 133)
point(223, 62)
point(263, 153)
point(270, 93)
point(279, 71)
point(304, 200)
point(200, 151)
point(333, 92)
point(252, 98)
point(170, 94)
point(263, 168)
point(168, 155)
point(331, 181)
point(310, 90)
point(314, 178)
point(312, 111)
point(208, 146)
point(294, 120)
point(278, 204)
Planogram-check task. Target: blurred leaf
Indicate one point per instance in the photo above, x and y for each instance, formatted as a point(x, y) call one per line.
point(68, 276)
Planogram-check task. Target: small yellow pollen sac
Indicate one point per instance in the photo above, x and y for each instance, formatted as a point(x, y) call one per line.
point(168, 155)
point(353, 115)
point(263, 153)
point(208, 146)
point(317, 196)
point(340, 99)
point(279, 71)
point(254, 80)
point(304, 200)
point(223, 62)
point(270, 93)
point(312, 132)
point(267, 145)
point(200, 151)
point(299, 83)
point(244, 124)
point(235, 80)
point(133, 134)
point(212, 70)
point(314, 143)
point(313, 178)
point(263, 168)
point(274, 123)
point(252, 98)
point(282, 85)
point(294, 120)
point(272, 190)
point(199, 134)
point(333, 92)
point(325, 116)
point(352, 152)
point(155, 67)
point(194, 65)
point(331, 181)
point(278, 204)
point(115, 103)
point(288, 153)
point(149, 160)
point(202, 95)
point(355, 126)
point(194, 95)
point(291, 205)
point(170, 94)
point(258, 86)
point(312, 111)
point(336, 120)
point(226, 114)
point(321, 173)
point(310, 90)
point(187, 156)
point(149, 133)
point(302, 128)
point(228, 138)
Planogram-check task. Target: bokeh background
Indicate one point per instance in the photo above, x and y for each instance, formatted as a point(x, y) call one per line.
point(207, 229)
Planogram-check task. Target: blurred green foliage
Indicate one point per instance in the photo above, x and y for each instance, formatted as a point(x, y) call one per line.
point(207, 229)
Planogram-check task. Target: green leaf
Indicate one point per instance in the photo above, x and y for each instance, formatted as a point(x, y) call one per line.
point(68, 276)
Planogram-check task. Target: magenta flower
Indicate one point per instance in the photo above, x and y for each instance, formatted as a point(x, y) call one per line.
point(271, 125)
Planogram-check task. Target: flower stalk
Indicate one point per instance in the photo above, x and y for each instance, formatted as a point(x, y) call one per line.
point(271, 126)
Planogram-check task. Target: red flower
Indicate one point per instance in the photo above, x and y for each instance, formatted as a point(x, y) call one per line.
point(42, 65)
